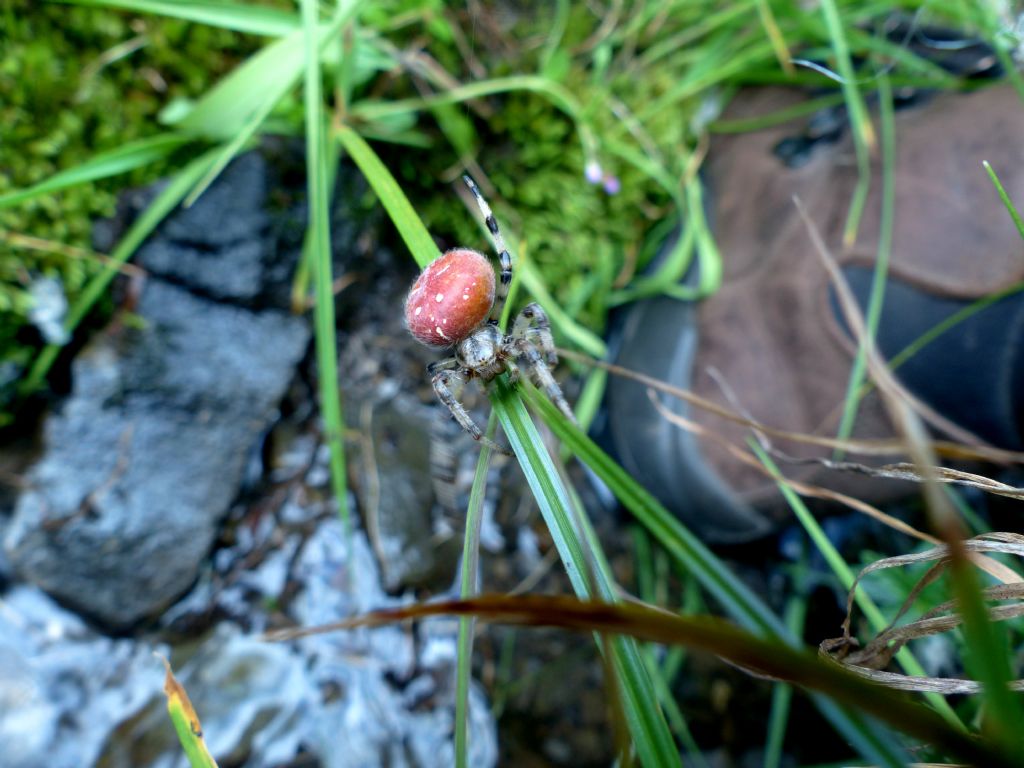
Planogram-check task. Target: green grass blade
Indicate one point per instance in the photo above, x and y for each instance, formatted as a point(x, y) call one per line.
point(846, 578)
point(940, 328)
point(235, 108)
point(162, 205)
point(234, 145)
point(555, 93)
point(416, 237)
point(224, 110)
point(186, 721)
point(734, 596)
point(1011, 209)
point(241, 17)
point(103, 165)
point(881, 271)
point(778, 117)
point(988, 658)
point(860, 123)
point(651, 586)
point(738, 601)
point(650, 732)
point(320, 251)
point(561, 98)
point(782, 694)
point(467, 587)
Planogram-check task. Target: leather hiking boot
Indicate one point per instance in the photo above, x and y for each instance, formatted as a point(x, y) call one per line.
point(773, 332)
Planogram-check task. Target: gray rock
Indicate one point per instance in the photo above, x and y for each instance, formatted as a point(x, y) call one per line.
point(146, 455)
point(220, 246)
point(70, 697)
point(396, 497)
point(63, 689)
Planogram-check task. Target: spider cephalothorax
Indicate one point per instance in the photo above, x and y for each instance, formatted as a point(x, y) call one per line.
point(455, 303)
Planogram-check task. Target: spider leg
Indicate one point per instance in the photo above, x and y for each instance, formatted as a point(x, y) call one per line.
point(513, 371)
point(448, 385)
point(524, 348)
point(443, 465)
point(532, 325)
point(501, 290)
point(449, 363)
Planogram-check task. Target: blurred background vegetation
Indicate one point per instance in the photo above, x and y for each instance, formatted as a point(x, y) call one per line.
point(585, 123)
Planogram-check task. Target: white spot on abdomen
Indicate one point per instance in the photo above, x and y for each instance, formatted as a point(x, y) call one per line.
point(439, 298)
point(418, 310)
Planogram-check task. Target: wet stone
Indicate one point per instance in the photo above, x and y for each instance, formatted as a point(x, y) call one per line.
point(71, 697)
point(145, 456)
point(413, 544)
point(64, 689)
point(222, 246)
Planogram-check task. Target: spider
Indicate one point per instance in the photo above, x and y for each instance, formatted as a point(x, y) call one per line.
point(453, 305)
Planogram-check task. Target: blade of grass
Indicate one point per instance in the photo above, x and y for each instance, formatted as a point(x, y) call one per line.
point(801, 109)
point(320, 250)
point(416, 237)
point(582, 337)
point(303, 273)
point(186, 721)
point(240, 17)
point(778, 41)
point(559, 96)
point(1011, 209)
point(691, 554)
point(468, 585)
point(162, 205)
point(237, 106)
point(998, 32)
point(651, 736)
point(103, 165)
point(988, 658)
point(648, 586)
point(881, 271)
point(224, 110)
point(710, 635)
point(860, 124)
point(940, 328)
point(737, 599)
point(782, 694)
point(846, 579)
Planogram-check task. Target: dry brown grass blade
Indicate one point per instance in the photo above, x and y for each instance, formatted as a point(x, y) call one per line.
point(905, 410)
point(992, 567)
point(869, 660)
point(909, 472)
point(707, 634)
point(804, 489)
point(861, 447)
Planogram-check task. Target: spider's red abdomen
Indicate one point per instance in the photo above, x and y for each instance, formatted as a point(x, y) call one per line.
point(450, 298)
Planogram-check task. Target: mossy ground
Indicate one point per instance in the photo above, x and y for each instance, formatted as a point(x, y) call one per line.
point(75, 82)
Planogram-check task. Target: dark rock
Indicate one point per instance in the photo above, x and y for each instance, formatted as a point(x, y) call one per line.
point(146, 455)
point(366, 698)
point(220, 246)
point(64, 689)
point(413, 546)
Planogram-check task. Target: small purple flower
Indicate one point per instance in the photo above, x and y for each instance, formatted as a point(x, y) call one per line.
point(612, 185)
point(592, 172)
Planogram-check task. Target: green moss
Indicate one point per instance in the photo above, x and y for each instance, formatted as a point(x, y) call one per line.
point(75, 82)
point(580, 236)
